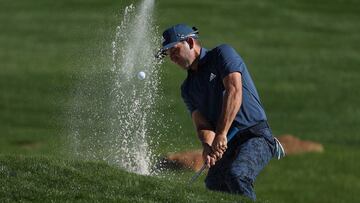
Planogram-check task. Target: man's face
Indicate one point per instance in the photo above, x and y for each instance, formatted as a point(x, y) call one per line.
point(181, 54)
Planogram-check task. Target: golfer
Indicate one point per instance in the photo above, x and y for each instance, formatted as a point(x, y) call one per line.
point(221, 97)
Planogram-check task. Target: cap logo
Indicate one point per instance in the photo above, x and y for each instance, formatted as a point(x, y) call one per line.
point(181, 36)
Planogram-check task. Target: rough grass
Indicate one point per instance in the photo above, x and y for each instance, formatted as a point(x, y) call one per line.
point(303, 56)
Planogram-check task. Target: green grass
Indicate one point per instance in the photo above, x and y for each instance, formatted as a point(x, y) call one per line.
point(46, 179)
point(303, 57)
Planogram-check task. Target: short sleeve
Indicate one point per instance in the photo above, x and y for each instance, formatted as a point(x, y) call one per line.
point(229, 61)
point(187, 100)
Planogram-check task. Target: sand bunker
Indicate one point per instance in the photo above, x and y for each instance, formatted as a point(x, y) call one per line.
point(193, 159)
point(293, 145)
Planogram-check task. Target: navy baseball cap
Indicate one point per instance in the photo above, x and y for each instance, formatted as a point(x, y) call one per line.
point(174, 35)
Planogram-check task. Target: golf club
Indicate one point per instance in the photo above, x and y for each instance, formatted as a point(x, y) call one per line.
point(230, 136)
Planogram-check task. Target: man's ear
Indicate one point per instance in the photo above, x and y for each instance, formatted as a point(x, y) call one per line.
point(191, 42)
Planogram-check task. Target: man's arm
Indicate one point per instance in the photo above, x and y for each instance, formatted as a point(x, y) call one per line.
point(206, 135)
point(231, 105)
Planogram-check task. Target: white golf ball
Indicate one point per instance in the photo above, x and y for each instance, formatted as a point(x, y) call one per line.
point(141, 75)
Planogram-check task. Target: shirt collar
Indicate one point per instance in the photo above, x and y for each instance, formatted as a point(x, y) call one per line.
point(202, 58)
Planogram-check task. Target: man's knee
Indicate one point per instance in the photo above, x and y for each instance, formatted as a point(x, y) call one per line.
point(210, 184)
point(241, 185)
point(216, 185)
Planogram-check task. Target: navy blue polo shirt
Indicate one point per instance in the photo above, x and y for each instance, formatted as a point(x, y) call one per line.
point(203, 89)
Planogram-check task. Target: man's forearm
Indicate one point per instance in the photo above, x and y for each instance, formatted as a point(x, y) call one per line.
point(231, 102)
point(206, 136)
point(203, 128)
point(231, 105)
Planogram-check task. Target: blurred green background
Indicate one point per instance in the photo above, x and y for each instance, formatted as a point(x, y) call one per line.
point(303, 57)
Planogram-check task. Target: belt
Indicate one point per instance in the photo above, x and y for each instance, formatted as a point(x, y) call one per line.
point(248, 132)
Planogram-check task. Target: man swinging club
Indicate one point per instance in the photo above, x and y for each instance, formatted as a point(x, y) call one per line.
point(221, 97)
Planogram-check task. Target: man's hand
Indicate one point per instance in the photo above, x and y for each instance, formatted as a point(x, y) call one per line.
point(219, 145)
point(208, 156)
